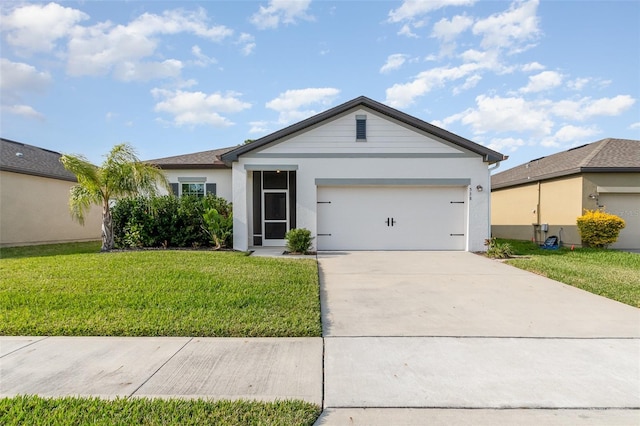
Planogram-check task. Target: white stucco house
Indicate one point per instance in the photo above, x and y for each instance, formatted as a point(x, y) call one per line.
point(359, 176)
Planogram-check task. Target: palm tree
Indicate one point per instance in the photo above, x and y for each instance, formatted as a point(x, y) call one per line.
point(121, 175)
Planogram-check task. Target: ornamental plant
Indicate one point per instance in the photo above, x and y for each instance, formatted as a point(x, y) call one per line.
point(299, 240)
point(598, 228)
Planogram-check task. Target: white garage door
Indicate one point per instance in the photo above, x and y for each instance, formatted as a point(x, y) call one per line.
point(626, 206)
point(391, 218)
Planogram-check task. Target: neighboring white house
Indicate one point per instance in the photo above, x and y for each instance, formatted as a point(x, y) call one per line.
point(360, 176)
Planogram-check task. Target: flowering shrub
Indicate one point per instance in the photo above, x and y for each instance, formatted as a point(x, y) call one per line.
point(598, 228)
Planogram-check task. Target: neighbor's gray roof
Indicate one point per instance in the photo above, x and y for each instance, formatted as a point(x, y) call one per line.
point(30, 160)
point(197, 160)
point(489, 155)
point(606, 155)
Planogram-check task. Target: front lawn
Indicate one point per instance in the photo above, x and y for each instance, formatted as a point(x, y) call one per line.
point(609, 273)
point(33, 410)
point(74, 290)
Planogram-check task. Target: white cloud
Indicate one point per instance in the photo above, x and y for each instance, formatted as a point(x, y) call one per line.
point(499, 114)
point(447, 30)
point(533, 66)
point(16, 80)
point(510, 29)
point(635, 125)
point(281, 11)
point(247, 41)
point(405, 30)
point(394, 62)
point(469, 83)
point(578, 83)
point(544, 81)
point(505, 144)
point(584, 108)
point(145, 71)
point(121, 49)
point(195, 108)
point(402, 95)
point(37, 27)
point(290, 103)
point(411, 9)
point(570, 134)
point(260, 127)
point(17, 77)
point(23, 110)
point(202, 59)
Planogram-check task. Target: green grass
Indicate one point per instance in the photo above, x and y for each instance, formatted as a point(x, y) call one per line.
point(33, 410)
point(609, 273)
point(74, 290)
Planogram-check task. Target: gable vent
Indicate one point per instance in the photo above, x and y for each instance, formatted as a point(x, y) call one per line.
point(361, 127)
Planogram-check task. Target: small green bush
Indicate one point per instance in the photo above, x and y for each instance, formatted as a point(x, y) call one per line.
point(599, 229)
point(498, 250)
point(299, 240)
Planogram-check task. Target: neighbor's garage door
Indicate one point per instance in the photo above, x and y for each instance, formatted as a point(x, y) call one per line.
point(626, 206)
point(391, 218)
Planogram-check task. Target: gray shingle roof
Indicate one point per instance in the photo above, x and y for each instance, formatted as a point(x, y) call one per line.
point(197, 160)
point(606, 155)
point(488, 155)
point(30, 160)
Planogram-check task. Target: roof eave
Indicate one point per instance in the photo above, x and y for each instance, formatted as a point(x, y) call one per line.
point(38, 174)
point(487, 154)
point(190, 166)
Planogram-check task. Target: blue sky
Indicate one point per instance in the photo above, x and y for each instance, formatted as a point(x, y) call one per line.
point(526, 78)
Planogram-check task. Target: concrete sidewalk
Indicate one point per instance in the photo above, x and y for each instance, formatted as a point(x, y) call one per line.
point(263, 369)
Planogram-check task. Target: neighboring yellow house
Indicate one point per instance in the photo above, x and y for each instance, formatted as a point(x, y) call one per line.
point(545, 196)
point(34, 199)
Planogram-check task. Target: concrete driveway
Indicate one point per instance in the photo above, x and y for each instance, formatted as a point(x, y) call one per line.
point(454, 330)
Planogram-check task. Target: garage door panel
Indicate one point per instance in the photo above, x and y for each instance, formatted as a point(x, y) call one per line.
point(391, 218)
point(627, 207)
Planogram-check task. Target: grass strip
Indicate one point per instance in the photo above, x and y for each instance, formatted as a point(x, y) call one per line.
point(74, 290)
point(34, 410)
point(610, 273)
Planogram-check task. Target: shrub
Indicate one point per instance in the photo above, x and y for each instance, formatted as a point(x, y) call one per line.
point(299, 240)
point(168, 221)
point(498, 250)
point(599, 229)
point(218, 227)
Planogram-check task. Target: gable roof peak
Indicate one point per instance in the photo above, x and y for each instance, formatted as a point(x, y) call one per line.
point(488, 155)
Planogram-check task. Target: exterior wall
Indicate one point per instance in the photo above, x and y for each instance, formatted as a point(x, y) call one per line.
point(221, 177)
point(619, 194)
point(330, 151)
point(513, 211)
point(556, 203)
point(35, 210)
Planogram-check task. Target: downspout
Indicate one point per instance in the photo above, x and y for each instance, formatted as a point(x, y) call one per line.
point(538, 216)
point(490, 168)
point(494, 166)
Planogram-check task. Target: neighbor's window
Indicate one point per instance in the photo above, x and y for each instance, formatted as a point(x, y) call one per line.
point(196, 189)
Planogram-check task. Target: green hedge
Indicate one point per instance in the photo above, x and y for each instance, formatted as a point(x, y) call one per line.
point(166, 221)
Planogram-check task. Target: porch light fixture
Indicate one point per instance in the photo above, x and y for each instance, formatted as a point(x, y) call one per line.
point(479, 188)
point(593, 196)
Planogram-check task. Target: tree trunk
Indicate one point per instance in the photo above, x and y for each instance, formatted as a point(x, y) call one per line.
point(107, 228)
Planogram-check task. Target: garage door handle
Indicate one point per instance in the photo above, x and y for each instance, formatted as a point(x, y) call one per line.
point(391, 221)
